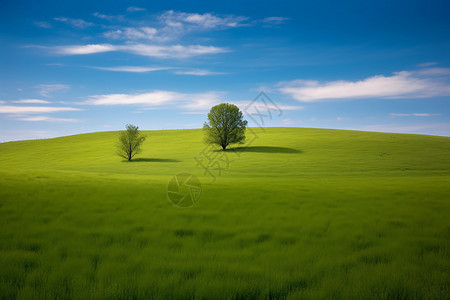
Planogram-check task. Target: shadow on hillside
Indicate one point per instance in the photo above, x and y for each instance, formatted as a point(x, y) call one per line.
point(263, 149)
point(143, 159)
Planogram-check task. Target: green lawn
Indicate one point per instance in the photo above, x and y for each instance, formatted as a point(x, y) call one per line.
point(300, 213)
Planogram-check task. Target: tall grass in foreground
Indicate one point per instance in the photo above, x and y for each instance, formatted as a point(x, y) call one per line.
point(339, 222)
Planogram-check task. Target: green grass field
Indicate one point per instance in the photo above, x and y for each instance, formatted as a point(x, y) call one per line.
point(299, 214)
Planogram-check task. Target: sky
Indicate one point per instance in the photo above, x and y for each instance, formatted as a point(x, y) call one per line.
point(70, 67)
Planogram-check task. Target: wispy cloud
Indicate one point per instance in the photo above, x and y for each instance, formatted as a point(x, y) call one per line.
point(413, 115)
point(275, 20)
point(132, 69)
point(118, 18)
point(46, 89)
point(43, 24)
point(157, 51)
point(433, 72)
point(206, 21)
point(162, 99)
point(198, 73)
point(31, 101)
point(135, 9)
point(47, 119)
point(427, 64)
point(420, 128)
point(158, 98)
point(75, 23)
point(129, 33)
point(261, 107)
point(6, 109)
point(403, 84)
point(170, 25)
point(174, 51)
point(85, 49)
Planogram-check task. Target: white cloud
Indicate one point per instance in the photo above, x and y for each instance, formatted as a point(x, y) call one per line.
point(253, 107)
point(206, 21)
point(46, 89)
point(146, 99)
point(135, 9)
point(31, 101)
point(172, 51)
point(401, 85)
point(85, 49)
point(159, 98)
point(47, 119)
point(145, 33)
point(413, 115)
point(202, 101)
point(76, 23)
point(170, 25)
point(6, 109)
point(132, 69)
point(170, 99)
point(1, 101)
point(198, 73)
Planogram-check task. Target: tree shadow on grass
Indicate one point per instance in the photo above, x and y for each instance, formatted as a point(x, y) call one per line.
point(263, 149)
point(144, 159)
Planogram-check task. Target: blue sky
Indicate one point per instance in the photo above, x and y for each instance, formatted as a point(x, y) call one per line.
point(72, 67)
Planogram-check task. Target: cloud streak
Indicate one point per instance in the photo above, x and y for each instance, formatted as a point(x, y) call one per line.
point(159, 99)
point(198, 73)
point(135, 9)
point(129, 33)
point(75, 23)
point(47, 119)
point(413, 115)
point(403, 84)
point(206, 21)
point(156, 51)
point(274, 20)
point(31, 101)
point(8, 109)
point(47, 89)
point(132, 69)
point(165, 99)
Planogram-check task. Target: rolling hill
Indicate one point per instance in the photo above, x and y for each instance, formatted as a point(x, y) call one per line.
point(294, 213)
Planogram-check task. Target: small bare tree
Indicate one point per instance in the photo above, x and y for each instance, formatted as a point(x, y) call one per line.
point(130, 142)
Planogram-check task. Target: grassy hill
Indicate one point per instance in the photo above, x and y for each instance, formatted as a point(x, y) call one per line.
point(298, 213)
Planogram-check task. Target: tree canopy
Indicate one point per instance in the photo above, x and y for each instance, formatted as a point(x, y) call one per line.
point(225, 125)
point(130, 142)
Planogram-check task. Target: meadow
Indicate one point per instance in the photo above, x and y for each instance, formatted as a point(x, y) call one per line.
point(297, 214)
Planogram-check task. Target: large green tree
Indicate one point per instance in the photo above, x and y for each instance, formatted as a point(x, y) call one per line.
point(130, 142)
point(225, 125)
